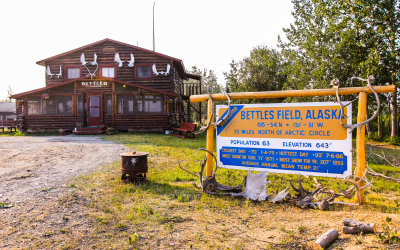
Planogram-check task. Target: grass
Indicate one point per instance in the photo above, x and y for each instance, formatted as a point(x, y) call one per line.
point(169, 211)
point(7, 132)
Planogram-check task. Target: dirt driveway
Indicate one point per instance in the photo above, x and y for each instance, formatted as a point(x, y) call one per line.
point(35, 170)
point(31, 165)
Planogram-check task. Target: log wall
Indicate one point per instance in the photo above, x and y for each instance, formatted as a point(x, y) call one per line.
point(139, 122)
point(105, 56)
point(48, 122)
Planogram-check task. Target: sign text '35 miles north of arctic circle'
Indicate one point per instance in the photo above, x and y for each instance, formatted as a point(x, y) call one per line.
point(305, 138)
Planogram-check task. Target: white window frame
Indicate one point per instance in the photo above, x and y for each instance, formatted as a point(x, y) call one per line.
point(105, 72)
point(76, 73)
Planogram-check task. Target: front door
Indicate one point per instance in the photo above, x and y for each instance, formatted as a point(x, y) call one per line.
point(94, 110)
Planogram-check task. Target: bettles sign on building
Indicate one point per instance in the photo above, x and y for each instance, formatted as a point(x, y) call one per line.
point(295, 138)
point(94, 84)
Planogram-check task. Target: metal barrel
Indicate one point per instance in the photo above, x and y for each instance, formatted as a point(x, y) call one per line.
point(134, 166)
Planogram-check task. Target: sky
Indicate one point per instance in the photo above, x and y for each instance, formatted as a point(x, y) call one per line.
point(207, 34)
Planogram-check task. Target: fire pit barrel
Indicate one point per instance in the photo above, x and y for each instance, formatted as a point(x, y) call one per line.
point(134, 166)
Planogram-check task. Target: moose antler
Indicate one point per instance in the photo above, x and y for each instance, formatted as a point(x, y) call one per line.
point(210, 184)
point(348, 193)
point(225, 117)
point(303, 197)
point(357, 182)
point(204, 128)
point(335, 84)
point(184, 169)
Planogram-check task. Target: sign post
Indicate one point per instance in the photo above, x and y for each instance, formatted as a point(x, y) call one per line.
point(362, 91)
point(360, 143)
point(210, 140)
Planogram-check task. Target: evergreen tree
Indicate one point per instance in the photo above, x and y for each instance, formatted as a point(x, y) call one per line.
point(263, 70)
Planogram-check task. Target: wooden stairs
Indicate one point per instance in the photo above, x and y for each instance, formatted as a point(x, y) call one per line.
point(96, 130)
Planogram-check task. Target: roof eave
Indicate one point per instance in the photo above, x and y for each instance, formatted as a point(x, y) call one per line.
point(18, 96)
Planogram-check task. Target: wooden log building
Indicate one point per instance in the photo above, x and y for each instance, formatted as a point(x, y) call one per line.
point(7, 111)
point(109, 84)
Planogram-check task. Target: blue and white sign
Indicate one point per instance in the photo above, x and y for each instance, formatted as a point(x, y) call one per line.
point(293, 138)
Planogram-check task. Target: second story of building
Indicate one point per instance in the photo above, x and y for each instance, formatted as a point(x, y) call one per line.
point(113, 59)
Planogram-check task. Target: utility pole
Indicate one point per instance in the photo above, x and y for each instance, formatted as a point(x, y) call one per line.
point(154, 39)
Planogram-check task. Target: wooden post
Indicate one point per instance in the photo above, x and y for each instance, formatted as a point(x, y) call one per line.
point(210, 140)
point(114, 104)
point(292, 93)
point(360, 144)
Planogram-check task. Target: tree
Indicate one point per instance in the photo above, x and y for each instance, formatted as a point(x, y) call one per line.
point(340, 39)
point(208, 78)
point(262, 70)
point(9, 94)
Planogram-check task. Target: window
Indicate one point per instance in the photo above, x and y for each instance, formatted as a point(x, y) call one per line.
point(49, 106)
point(55, 105)
point(108, 72)
point(128, 104)
point(64, 105)
point(108, 104)
point(143, 71)
point(34, 106)
point(125, 104)
point(152, 103)
point(80, 104)
point(73, 73)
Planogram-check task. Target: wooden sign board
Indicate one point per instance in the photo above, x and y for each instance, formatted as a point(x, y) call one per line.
point(94, 84)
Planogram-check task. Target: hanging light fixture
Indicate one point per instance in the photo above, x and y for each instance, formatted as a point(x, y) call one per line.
point(45, 96)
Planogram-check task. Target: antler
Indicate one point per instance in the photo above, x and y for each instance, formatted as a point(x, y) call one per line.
point(335, 84)
point(345, 193)
point(222, 120)
point(225, 117)
point(184, 169)
point(357, 181)
point(204, 128)
point(304, 197)
point(215, 158)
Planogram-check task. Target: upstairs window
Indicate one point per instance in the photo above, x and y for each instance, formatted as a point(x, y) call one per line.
point(73, 73)
point(143, 71)
point(108, 72)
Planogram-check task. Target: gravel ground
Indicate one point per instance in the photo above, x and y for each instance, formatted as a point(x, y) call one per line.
point(36, 170)
point(29, 165)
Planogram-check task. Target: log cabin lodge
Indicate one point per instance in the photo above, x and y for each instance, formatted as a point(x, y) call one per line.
point(109, 84)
